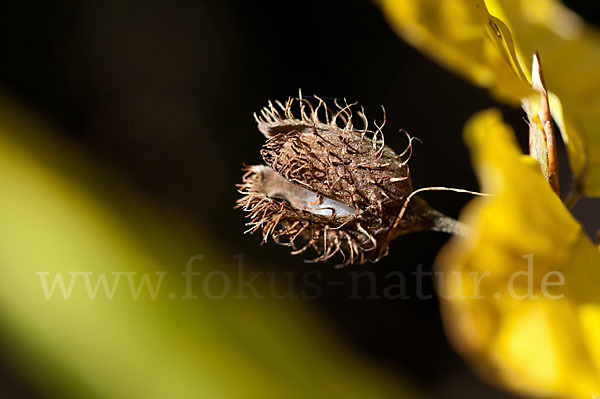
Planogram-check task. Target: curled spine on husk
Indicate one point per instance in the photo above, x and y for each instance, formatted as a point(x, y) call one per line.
point(282, 122)
point(355, 237)
point(279, 115)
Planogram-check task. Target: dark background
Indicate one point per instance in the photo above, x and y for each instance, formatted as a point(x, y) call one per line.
point(161, 94)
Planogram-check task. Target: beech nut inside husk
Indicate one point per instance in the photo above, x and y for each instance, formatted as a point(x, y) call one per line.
point(329, 186)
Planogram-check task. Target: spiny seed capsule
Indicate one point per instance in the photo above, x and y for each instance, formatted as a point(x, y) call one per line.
point(329, 186)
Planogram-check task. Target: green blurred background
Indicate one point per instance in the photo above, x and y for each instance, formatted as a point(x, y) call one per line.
point(123, 129)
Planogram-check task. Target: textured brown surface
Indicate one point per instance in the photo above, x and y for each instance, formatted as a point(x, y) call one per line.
point(319, 149)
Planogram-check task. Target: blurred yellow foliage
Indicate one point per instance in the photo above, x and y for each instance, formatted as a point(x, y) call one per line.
point(536, 344)
point(520, 298)
point(463, 36)
point(59, 216)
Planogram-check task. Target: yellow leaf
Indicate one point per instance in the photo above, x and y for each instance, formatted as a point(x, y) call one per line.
point(520, 297)
point(463, 36)
point(570, 52)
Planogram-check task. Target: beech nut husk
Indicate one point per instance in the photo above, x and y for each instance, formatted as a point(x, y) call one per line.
point(328, 186)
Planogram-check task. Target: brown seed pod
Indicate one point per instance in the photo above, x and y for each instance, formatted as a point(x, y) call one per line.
point(330, 186)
